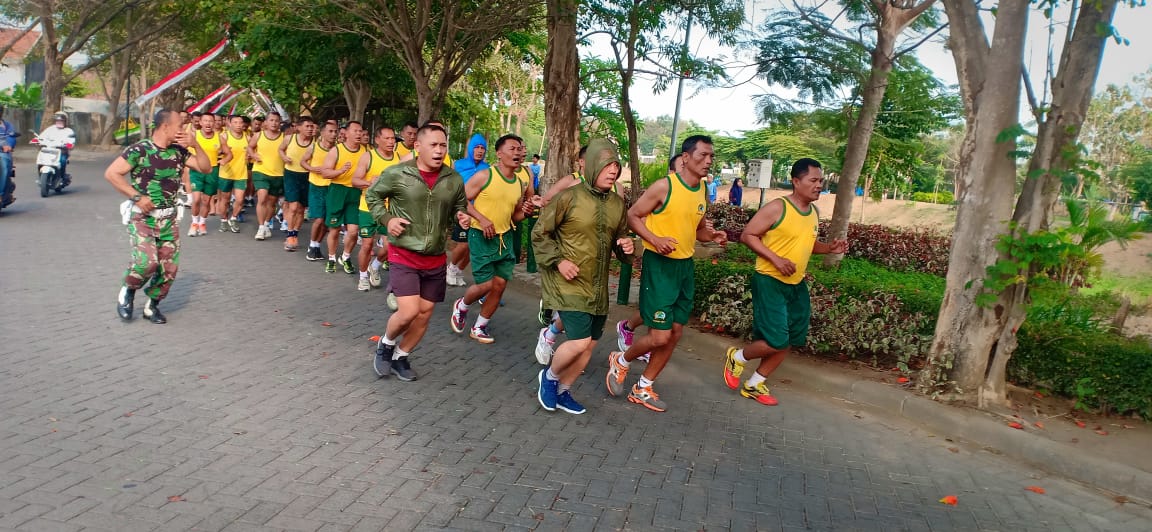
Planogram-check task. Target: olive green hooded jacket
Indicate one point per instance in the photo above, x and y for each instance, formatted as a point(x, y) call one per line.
point(431, 210)
point(581, 224)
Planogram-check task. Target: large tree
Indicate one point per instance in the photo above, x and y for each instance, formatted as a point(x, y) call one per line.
point(66, 29)
point(436, 42)
point(640, 34)
point(975, 337)
point(561, 91)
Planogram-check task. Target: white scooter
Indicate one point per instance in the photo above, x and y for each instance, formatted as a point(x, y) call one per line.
point(48, 162)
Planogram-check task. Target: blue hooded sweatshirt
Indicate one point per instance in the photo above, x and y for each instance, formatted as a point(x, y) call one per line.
point(467, 165)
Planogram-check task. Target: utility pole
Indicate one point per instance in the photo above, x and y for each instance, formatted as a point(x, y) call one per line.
point(127, 105)
point(680, 89)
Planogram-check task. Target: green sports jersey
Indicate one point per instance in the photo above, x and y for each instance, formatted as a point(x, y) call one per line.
point(156, 171)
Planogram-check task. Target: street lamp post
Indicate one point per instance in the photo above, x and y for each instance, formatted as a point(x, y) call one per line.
point(127, 105)
point(680, 89)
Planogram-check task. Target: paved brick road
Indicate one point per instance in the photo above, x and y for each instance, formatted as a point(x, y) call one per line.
point(256, 417)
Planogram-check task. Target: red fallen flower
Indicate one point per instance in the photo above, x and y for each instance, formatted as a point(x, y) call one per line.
point(1016, 425)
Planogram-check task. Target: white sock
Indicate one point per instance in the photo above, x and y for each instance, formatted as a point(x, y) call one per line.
point(644, 382)
point(549, 335)
point(739, 356)
point(376, 264)
point(755, 379)
point(551, 376)
point(345, 256)
point(399, 353)
point(313, 244)
point(622, 361)
point(481, 321)
point(388, 341)
point(461, 305)
point(332, 257)
point(364, 275)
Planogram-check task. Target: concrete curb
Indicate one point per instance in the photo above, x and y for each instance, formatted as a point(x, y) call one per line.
point(962, 424)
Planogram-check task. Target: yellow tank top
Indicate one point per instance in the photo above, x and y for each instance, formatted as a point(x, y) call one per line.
point(792, 238)
point(344, 155)
point(268, 149)
point(237, 168)
point(402, 150)
point(375, 168)
point(295, 151)
point(498, 199)
point(318, 155)
point(678, 217)
point(211, 147)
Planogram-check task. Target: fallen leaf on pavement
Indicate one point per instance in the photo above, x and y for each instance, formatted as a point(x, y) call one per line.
point(1038, 395)
point(127, 414)
point(1120, 499)
point(1016, 425)
point(954, 449)
point(1039, 424)
point(326, 324)
point(323, 355)
point(1035, 489)
point(1075, 440)
point(203, 376)
point(1081, 424)
point(1102, 432)
point(950, 500)
point(374, 338)
point(175, 498)
point(902, 380)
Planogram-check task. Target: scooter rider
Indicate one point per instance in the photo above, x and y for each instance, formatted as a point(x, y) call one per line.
point(8, 136)
point(59, 134)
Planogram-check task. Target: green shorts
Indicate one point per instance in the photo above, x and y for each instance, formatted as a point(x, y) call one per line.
point(273, 184)
point(780, 312)
point(317, 200)
point(296, 187)
point(667, 287)
point(228, 185)
point(342, 206)
point(368, 226)
point(581, 325)
point(491, 257)
point(205, 183)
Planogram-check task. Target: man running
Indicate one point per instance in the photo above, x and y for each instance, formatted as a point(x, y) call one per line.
point(379, 158)
point(467, 167)
point(416, 201)
point(497, 202)
point(205, 186)
point(292, 152)
point(783, 234)
point(150, 173)
point(669, 217)
point(408, 140)
point(267, 172)
point(233, 175)
point(342, 204)
point(549, 320)
point(574, 240)
point(313, 161)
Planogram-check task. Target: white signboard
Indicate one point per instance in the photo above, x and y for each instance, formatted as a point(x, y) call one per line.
point(759, 174)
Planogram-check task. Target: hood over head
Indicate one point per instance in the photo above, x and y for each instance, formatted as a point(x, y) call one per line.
point(466, 165)
point(601, 153)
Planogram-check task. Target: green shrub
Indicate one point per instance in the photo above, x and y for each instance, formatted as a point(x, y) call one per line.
point(945, 198)
point(919, 293)
point(876, 329)
point(908, 250)
point(728, 307)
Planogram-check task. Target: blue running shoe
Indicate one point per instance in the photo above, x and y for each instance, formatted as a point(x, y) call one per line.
point(566, 403)
point(546, 393)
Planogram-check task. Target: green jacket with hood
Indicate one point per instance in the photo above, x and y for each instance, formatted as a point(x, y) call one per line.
point(581, 224)
point(431, 210)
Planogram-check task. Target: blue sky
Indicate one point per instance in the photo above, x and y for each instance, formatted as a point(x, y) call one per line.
point(733, 109)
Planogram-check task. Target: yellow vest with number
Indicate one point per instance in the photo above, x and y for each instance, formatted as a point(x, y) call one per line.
point(678, 217)
point(792, 238)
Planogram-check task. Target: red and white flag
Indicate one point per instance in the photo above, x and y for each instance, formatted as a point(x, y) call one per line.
point(231, 96)
point(181, 73)
point(200, 105)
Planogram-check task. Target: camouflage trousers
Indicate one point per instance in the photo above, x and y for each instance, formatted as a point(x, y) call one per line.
point(155, 255)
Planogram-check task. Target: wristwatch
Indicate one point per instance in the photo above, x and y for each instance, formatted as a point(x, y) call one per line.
point(137, 198)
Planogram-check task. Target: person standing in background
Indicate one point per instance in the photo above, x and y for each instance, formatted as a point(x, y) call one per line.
point(736, 194)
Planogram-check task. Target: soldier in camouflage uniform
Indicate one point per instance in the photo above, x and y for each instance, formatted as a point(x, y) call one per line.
point(150, 173)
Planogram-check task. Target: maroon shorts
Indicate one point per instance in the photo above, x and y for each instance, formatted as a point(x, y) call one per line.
point(430, 285)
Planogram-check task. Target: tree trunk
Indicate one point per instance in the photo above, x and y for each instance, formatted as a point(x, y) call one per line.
point(893, 21)
point(120, 70)
point(52, 89)
point(561, 92)
point(990, 89)
point(626, 103)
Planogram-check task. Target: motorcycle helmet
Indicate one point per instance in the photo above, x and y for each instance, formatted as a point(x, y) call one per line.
point(60, 116)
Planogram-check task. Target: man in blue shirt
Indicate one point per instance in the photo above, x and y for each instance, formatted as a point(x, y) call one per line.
point(8, 136)
point(535, 169)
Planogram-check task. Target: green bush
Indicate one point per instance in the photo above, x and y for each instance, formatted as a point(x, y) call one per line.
point(875, 328)
point(919, 293)
point(945, 198)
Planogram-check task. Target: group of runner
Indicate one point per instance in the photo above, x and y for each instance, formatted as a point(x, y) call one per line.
point(402, 198)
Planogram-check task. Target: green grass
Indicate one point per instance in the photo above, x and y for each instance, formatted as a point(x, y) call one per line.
point(1139, 289)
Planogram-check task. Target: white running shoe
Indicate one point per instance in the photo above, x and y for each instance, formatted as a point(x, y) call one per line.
point(544, 348)
point(363, 285)
point(374, 277)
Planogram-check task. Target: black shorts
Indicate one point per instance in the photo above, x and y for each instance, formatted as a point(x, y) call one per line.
point(459, 234)
point(430, 285)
